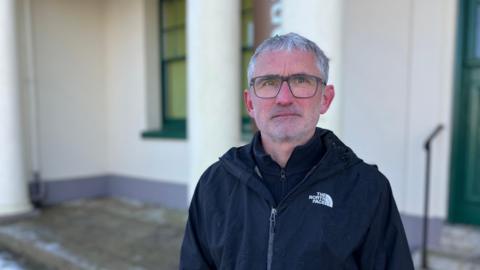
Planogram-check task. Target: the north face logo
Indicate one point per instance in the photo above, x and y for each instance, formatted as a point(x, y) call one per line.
point(322, 198)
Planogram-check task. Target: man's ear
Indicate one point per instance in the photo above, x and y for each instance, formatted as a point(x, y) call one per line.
point(327, 98)
point(247, 100)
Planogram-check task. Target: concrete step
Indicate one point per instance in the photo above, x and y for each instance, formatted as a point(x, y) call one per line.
point(458, 249)
point(15, 261)
point(441, 258)
point(34, 246)
point(461, 238)
point(101, 234)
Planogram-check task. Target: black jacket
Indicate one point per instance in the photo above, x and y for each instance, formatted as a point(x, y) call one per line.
point(342, 215)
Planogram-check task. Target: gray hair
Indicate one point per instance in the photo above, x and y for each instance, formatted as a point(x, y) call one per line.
point(290, 42)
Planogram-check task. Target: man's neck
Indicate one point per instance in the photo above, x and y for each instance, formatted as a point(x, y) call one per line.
point(280, 151)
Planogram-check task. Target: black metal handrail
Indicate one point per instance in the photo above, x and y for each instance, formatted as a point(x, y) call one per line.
point(427, 148)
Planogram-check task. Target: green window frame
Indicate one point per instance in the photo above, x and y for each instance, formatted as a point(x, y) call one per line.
point(172, 33)
point(247, 52)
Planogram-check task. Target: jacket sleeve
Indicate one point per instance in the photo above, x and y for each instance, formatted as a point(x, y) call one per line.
point(385, 245)
point(194, 253)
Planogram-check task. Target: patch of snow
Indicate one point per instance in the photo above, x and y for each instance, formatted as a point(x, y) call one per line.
point(53, 248)
point(7, 262)
point(131, 202)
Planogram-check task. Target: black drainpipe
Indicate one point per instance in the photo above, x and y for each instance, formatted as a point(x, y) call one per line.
point(427, 148)
point(37, 191)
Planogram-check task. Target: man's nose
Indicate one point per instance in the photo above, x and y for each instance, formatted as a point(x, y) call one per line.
point(284, 96)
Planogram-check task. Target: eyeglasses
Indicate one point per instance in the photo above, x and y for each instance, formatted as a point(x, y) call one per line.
point(301, 85)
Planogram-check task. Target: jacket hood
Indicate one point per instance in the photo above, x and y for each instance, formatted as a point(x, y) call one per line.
point(239, 161)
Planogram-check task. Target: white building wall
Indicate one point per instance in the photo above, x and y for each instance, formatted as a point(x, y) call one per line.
point(93, 65)
point(430, 101)
point(68, 46)
point(127, 69)
point(376, 80)
point(25, 78)
point(398, 62)
point(13, 194)
point(213, 79)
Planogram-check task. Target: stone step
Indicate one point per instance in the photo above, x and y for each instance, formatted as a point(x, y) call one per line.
point(448, 259)
point(98, 234)
point(462, 238)
point(15, 261)
point(32, 246)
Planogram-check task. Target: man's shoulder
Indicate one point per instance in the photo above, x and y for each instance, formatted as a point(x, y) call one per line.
point(370, 171)
point(232, 164)
point(372, 180)
point(368, 174)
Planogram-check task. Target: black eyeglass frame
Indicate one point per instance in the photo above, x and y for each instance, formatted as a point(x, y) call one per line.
point(285, 79)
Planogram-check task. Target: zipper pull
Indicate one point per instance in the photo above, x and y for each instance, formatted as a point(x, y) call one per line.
point(257, 171)
point(273, 221)
point(283, 180)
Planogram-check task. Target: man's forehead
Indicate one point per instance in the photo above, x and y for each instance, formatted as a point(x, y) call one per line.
point(286, 62)
point(290, 53)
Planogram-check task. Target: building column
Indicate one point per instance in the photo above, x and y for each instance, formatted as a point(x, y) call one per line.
point(321, 22)
point(213, 84)
point(13, 191)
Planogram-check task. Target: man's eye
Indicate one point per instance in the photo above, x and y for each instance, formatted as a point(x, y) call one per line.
point(299, 80)
point(267, 82)
point(270, 82)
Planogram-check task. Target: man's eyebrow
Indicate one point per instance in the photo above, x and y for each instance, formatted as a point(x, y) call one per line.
point(278, 75)
point(301, 73)
point(269, 75)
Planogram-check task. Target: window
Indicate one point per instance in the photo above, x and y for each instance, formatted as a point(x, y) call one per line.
point(247, 52)
point(172, 69)
point(172, 33)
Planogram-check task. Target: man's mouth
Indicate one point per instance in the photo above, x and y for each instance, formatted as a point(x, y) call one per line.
point(279, 115)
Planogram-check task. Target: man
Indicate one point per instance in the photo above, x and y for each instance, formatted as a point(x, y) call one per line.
point(296, 197)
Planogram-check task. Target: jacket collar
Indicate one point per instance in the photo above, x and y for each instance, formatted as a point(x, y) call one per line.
point(240, 162)
point(302, 159)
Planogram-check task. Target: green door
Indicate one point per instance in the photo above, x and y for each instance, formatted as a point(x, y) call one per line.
point(465, 173)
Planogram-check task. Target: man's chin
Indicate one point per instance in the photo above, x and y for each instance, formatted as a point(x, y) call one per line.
point(286, 135)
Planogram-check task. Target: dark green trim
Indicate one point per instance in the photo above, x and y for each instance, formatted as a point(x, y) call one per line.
point(469, 16)
point(459, 210)
point(173, 129)
point(246, 128)
point(160, 61)
point(246, 11)
point(246, 121)
point(174, 59)
point(174, 28)
point(472, 63)
point(456, 133)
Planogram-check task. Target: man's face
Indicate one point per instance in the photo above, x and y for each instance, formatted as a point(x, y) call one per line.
point(286, 118)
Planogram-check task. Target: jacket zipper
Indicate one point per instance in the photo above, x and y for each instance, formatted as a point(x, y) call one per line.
point(294, 190)
point(271, 236)
point(283, 180)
